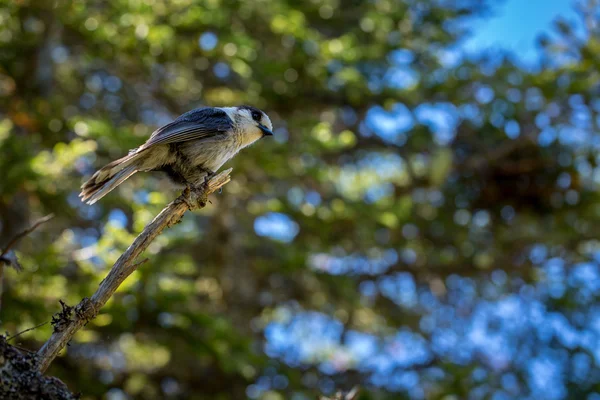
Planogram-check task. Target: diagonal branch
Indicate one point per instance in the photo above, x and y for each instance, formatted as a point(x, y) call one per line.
point(340, 395)
point(11, 259)
point(26, 330)
point(71, 319)
point(26, 232)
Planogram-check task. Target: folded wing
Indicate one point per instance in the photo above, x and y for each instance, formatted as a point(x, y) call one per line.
point(197, 124)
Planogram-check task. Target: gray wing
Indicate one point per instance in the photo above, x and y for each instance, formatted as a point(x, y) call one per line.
point(197, 124)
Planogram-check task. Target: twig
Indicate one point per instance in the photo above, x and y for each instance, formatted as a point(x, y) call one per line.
point(88, 308)
point(15, 263)
point(23, 349)
point(26, 330)
point(351, 395)
point(144, 261)
point(26, 232)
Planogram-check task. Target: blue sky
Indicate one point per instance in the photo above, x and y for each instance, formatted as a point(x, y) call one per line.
point(516, 24)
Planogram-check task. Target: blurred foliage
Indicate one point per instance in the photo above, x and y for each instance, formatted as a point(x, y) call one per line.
point(423, 224)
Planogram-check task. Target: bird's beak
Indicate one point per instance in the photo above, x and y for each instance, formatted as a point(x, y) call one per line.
point(266, 131)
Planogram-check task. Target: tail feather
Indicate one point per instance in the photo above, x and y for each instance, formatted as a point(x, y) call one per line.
point(109, 177)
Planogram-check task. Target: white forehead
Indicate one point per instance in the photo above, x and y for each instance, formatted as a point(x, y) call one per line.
point(234, 113)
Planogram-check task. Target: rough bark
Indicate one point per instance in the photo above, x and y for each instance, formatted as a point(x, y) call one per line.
point(21, 379)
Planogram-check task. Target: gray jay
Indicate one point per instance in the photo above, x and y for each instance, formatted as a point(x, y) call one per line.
point(189, 149)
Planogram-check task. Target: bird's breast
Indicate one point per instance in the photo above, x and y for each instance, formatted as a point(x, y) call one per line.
point(209, 154)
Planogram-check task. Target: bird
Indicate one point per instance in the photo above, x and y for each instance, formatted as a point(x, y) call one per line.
point(189, 150)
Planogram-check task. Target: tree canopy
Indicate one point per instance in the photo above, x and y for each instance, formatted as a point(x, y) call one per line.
point(423, 224)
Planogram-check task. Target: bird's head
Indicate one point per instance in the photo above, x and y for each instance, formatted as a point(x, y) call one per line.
point(252, 123)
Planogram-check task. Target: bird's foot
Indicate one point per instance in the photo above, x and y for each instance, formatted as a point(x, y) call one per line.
point(200, 194)
point(186, 197)
point(194, 196)
point(209, 175)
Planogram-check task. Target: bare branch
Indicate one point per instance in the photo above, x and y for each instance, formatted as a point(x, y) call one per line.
point(26, 330)
point(351, 395)
point(26, 232)
point(11, 259)
point(88, 308)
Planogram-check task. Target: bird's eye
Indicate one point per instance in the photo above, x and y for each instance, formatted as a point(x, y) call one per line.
point(256, 115)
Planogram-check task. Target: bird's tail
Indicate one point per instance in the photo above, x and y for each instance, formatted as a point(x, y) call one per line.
point(110, 176)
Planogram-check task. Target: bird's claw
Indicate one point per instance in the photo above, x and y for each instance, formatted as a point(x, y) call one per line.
point(194, 196)
point(209, 175)
point(186, 197)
